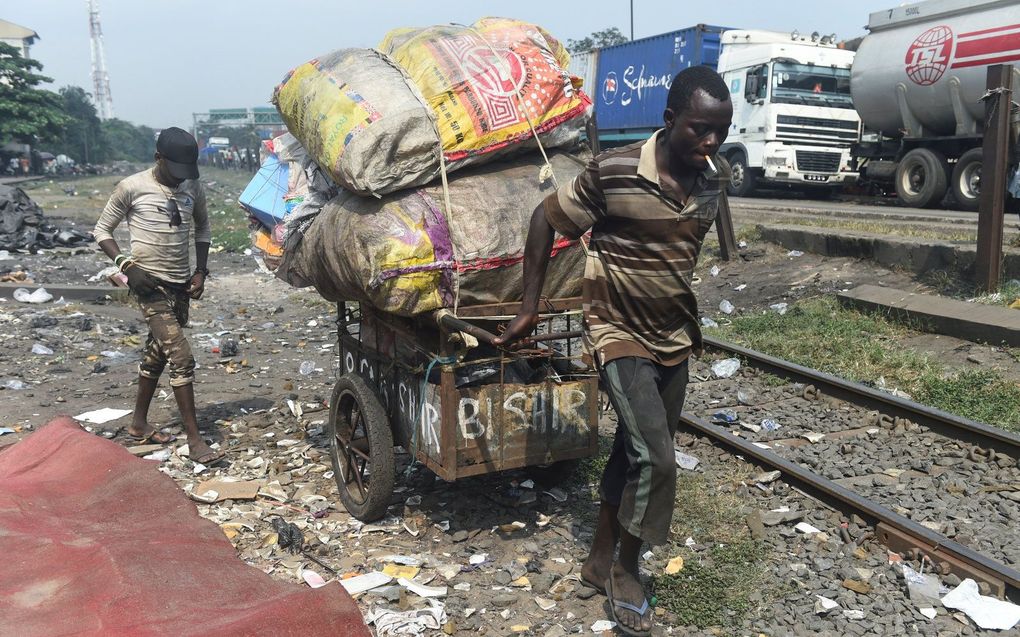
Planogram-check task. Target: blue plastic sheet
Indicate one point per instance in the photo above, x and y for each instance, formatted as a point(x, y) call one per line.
point(263, 198)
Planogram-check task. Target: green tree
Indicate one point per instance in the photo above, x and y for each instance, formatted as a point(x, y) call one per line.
point(597, 40)
point(123, 141)
point(28, 114)
point(82, 137)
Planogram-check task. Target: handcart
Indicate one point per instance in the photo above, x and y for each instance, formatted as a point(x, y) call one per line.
point(438, 388)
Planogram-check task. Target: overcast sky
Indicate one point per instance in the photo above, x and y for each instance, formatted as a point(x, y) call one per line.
point(168, 59)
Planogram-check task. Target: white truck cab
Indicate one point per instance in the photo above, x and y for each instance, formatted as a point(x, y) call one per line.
point(793, 118)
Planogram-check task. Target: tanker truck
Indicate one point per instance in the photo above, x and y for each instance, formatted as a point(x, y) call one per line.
point(917, 83)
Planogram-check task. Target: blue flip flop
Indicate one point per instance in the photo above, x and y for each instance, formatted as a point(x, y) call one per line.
point(614, 604)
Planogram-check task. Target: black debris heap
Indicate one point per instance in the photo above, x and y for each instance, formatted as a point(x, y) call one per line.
point(24, 227)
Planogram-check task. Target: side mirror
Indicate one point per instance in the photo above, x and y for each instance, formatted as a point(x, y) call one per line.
point(751, 86)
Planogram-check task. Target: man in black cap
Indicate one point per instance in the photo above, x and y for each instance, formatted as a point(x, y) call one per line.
point(160, 206)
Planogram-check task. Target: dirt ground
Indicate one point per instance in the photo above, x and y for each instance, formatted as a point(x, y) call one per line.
point(245, 404)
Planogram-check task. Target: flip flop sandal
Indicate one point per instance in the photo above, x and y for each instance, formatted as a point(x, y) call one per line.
point(614, 604)
point(210, 458)
point(151, 437)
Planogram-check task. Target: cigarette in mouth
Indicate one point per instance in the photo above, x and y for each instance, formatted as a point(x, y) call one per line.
point(711, 165)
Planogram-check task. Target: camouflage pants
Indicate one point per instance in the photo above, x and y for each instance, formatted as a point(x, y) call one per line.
point(166, 315)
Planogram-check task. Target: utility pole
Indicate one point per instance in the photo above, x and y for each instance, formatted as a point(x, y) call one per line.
point(991, 212)
point(631, 20)
point(100, 78)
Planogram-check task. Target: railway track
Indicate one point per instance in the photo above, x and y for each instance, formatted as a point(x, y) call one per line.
point(929, 482)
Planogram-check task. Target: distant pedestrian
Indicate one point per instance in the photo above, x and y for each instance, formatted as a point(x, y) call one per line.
point(648, 206)
point(161, 205)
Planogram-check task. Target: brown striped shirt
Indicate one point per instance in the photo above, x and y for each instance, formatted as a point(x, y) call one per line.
point(644, 246)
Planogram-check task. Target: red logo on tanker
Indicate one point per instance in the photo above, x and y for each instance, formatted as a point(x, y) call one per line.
point(928, 57)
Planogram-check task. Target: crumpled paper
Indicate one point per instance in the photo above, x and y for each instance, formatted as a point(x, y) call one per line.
point(988, 613)
point(413, 622)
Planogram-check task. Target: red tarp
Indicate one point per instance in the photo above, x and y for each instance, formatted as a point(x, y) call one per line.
point(94, 541)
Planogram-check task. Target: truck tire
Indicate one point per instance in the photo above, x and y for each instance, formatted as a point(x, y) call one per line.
point(742, 180)
point(921, 179)
point(967, 179)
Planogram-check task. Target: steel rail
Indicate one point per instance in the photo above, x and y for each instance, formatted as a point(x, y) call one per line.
point(950, 425)
point(894, 530)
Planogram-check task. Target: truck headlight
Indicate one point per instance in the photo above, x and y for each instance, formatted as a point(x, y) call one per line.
point(777, 160)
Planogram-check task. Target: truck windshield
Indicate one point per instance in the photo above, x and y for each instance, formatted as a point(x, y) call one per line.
point(808, 84)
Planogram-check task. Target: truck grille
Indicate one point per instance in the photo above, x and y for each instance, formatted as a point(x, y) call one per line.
point(815, 130)
point(817, 162)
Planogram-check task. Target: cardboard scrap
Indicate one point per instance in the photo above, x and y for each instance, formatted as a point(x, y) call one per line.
point(227, 490)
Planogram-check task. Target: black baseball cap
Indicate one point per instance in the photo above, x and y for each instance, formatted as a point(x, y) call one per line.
point(180, 150)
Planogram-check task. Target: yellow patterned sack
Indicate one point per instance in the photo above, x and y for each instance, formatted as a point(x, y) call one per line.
point(483, 82)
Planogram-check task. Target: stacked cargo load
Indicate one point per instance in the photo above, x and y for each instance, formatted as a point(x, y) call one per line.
point(366, 206)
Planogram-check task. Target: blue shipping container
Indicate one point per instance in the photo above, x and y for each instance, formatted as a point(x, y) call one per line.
point(634, 78)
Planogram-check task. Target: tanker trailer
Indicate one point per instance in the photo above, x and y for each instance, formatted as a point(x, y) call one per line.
point(917, 82)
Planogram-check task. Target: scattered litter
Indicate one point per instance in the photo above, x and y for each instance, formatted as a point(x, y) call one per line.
point(714, 271)
point(312, 578)
point(647, 555)
point(987, 612)
point(421, 590)
point(391, 623)
point(929, 612)
point(14, 384)
point(41, 350)
point(726, 367)
point(740, 287)
point(751, 426)
point(225, 489)
point(675, 565)
point(545, 604)
point(794, 253)
point(602, 626)
point(707, 322)
point(770, 425)
point(112, 354)
point(725, 416)
point(767, 477)
point(404, 560)
point(806, 528)
point(557, 494)
point(401, 572)
point(528, 484)
point(6, 430)
point(162, 455)
point(779, 308)
point(306, 368)
point(813, 436)
point(102, 416)
point(923, 589)
point(21, 295)
point(685, 461)
point(478, 558)
point(853, 614)
point(366, 582)
point(690, 543)
point(824, 605)
point(726, 307)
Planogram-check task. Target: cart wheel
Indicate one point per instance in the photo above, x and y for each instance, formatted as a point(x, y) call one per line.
point(553, 474)
point(361, 449)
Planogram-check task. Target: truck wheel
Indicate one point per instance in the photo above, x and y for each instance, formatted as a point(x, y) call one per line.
point(742, 180)
point(361, 449)
point(967, 179)
point(921, 179)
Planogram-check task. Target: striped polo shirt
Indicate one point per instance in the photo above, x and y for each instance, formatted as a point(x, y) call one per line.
point(644, 245)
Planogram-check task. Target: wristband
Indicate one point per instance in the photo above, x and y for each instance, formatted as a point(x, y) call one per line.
point(126, 263)
point(203, 271)
point(119, 258)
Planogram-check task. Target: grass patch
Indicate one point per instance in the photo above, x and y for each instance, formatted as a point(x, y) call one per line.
point(589, 470)
point(718, 587)
point(873, 227)
point(980, 395)
point(818, 333)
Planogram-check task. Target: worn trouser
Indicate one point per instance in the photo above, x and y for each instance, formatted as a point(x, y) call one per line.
point(166, 313)
point(640, 476)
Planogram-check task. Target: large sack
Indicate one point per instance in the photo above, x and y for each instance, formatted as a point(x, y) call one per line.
point(483, 101)
point(379, 121)
point(404, 254)
point(360, 118)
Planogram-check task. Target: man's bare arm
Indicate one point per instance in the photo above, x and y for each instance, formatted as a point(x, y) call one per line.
point(536, 261)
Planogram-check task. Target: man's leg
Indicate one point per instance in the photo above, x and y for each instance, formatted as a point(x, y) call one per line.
point(635, 387)
point(149, 370)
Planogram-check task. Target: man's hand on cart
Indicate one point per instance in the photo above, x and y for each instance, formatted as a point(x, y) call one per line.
point(520, 327)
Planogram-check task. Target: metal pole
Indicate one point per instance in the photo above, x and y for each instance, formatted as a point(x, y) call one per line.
point(998, 97)
point(631, 20)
